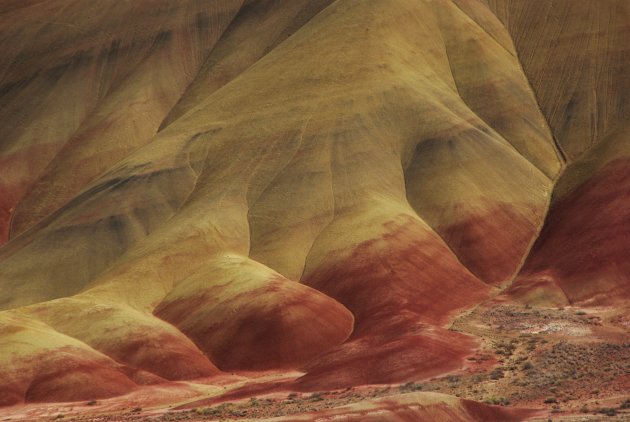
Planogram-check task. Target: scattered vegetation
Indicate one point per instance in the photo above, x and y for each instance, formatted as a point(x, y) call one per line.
point(505, 349)
point(410, 386)
point(316, 397)
point(533, 368)
point(608, 411)
point(527, 366)
point(502, 401)
point(497, 373)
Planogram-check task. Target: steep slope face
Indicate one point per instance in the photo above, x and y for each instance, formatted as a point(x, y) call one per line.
point(323, 195)
point(576, 56)
point(97, 88)
point(469, 208)
point(258, 28)
point(581, 254)
point(592, 267)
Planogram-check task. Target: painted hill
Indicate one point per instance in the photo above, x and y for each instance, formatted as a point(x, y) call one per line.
point(197, 188)
point(583, 90)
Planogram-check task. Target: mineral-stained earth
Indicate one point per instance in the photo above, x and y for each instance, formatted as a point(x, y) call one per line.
point(299, 210)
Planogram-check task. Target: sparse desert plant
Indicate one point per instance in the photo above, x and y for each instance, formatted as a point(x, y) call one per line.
point(477, 378)
point(502, 401)
point(550, 400)
point(316, 397)
point(205, 411)
point(505, 349)
point(497, 373)
point(608, 411)
point(238, 412)
point(410, 386)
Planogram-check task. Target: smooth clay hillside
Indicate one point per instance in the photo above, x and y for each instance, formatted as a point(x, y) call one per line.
point(196, 188)
point(575, 55)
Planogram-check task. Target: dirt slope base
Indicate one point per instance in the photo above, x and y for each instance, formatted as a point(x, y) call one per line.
point(414, 406)
point(560, 363)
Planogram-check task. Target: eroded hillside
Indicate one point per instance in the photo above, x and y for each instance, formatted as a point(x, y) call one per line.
point(303, 194)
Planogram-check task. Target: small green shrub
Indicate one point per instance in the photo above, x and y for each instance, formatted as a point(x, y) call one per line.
point(316, 397)
point(497, 373)
point(502, 401)
point(410, 386)
point(608, 411)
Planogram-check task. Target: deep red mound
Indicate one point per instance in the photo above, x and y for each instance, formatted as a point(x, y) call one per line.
point(69, 374)
point(162, 354)
point(584, 244)
point(482, 412)
point(399, 289)
point(279, 324)
point(12, 393)
point(491, 244)
point(128, 336)
point(396, 350)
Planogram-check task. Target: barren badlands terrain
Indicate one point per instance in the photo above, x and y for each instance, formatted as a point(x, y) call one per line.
point(297, 210)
